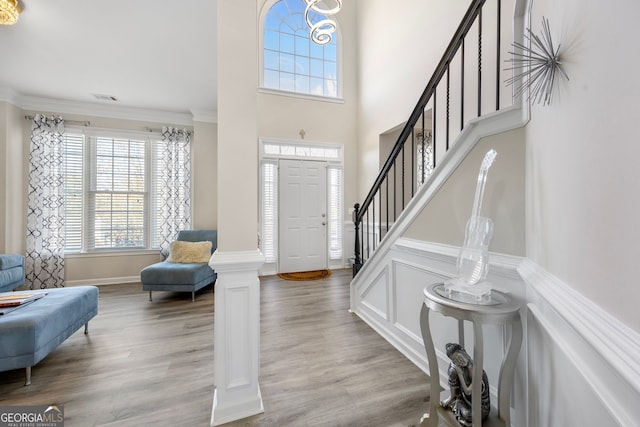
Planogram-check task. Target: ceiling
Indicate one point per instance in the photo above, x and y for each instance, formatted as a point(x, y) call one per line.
point(148, 54)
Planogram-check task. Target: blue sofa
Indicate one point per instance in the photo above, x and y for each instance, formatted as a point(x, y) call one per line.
point(181, 277)
point(11, 271)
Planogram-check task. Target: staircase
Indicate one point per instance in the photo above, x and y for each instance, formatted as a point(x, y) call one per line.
point(464, 101)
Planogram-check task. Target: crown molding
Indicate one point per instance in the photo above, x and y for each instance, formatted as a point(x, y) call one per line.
point(108, 111)
point(9, 95)
point(207, 116)
point(60, 106)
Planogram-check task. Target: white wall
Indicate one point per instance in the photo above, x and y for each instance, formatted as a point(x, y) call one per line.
point(283, 117)
point(3, 175)
point(237, 129)
point(583, 202)
point(444, 218)
point(398, 49)
point(582, 205)
point(12, 228)
point(204, 174)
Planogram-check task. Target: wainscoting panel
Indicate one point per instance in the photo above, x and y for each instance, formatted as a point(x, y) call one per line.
point(406, 269)
point(349, 242)
point(578, 365)
point(583, 363)
point(375, 297)
point(559, 384)
point(409, 281)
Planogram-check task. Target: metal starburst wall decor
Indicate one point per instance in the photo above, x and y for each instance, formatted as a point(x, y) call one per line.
point(538, 64)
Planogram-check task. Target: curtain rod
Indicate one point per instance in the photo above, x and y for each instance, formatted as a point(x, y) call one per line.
point(84, 123)
point(87, 123)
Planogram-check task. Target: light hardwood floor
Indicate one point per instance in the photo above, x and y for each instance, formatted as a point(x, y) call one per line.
point(151, 363)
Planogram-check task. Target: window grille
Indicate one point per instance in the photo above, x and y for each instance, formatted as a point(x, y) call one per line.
point(111, 192)
point(291, 61)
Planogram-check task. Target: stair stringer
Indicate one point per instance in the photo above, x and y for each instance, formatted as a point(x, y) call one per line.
point(375, 272)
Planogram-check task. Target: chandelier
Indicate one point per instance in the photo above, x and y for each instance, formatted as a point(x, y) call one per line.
point(321, 30)
point(9, 11)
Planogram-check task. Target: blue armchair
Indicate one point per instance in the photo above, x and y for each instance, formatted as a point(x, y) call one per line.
point(11, 271)
point(181, 276)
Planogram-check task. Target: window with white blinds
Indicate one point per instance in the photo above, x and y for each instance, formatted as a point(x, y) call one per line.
point(269, 210)
point(109, 192)
point(117, 196)
point(73, 191)
point(334, 176)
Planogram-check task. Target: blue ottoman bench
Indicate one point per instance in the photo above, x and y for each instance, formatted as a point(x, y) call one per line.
point(30, 332)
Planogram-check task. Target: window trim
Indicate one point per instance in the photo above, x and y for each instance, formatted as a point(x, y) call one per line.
point(339, 98)
point(307, 96)
point(93, 193)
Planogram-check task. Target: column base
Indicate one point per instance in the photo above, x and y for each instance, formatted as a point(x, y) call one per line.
point(232, 411)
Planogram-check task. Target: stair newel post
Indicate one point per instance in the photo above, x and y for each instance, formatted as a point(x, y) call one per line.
point(357, 263)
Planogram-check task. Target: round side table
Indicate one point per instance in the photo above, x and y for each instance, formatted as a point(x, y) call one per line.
point(498, 309)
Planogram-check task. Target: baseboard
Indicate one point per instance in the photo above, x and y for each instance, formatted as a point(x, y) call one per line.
point(103, 281)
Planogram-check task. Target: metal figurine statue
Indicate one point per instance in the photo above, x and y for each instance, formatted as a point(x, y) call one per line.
point(460, 374)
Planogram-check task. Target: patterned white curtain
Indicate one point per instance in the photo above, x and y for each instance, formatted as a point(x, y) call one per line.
point(175, 192)
point(44, 262)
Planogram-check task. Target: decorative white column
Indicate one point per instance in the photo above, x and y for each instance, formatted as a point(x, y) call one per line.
point(237, 336)
point(237, 259)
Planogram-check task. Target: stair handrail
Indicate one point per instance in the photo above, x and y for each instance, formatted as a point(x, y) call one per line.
point(452, 49)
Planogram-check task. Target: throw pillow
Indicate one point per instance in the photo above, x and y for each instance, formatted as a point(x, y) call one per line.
point(189, 252)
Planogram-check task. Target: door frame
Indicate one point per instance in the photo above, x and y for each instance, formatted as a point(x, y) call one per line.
point(270, 151)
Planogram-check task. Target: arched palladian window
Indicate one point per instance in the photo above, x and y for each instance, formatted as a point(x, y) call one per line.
point(291, 61)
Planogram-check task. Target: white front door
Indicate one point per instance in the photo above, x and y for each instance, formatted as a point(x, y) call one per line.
point(302, 198)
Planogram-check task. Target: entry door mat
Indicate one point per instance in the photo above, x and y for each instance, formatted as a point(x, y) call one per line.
point(306, 275)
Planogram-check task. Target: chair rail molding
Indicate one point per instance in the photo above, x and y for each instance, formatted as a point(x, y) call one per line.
point(603, 349)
